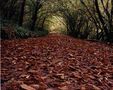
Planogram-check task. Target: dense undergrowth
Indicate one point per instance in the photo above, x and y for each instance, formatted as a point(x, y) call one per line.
point(12, 32)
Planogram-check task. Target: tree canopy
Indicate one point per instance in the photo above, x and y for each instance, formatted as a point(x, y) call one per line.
point(88, 19)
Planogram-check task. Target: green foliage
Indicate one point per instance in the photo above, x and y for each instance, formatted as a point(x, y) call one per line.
point(25, 33)
point(22, 32)
point(63, 32)
point(41, 32)
point(80, 18)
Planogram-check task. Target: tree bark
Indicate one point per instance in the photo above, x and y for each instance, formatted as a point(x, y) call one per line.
point(34, 16)
point(100, 17)
point(21, 13)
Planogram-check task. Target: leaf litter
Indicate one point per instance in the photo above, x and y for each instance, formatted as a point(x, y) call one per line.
point(56, 62)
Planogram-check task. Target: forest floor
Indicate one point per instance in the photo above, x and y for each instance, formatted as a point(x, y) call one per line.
point(56, 62)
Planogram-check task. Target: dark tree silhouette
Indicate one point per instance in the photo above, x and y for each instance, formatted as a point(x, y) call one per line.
point(103, 19)
point(34, 16)
point(21, 13)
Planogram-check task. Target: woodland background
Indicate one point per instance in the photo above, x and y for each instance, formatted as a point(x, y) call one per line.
point(56, 44)
point(86, 19)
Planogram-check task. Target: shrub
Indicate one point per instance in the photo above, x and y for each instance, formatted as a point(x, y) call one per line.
point(41, 32)
point(22, 32)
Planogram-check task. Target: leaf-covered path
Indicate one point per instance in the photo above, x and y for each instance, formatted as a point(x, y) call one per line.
point(56, 62)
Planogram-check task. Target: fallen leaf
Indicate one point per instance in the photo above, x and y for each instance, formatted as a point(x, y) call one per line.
point(26, 87)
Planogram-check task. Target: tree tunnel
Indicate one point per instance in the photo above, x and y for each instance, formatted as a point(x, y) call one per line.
point(55, 24)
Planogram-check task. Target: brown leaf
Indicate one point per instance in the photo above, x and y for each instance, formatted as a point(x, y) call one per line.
point(26, 87)
point(51, 89)
point(94, 87)
point(83, 87)
point(36, 86)
point(63, 88)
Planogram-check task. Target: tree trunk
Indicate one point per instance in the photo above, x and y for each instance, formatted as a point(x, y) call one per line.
point(34, 16)
point(21, 13)
point(43, 22)
point(100, 17)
